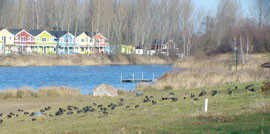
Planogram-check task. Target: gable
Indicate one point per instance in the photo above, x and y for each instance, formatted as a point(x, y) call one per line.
point(6, 33)
point(24, 32)
point(83, 35)
point(45, 34)
point(99, 36)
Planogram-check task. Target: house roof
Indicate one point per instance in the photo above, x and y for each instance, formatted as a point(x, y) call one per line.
point(58, 34)
point(14, 31)
point(159, 42)
point(35, 32)
point(266, 65)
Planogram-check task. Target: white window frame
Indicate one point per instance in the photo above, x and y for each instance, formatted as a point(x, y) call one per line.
point(82, 40)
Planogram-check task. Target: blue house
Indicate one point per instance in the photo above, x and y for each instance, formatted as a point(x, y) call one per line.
point(65, 42)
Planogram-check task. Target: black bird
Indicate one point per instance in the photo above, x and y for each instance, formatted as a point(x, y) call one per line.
point(192, 95)
point(32, 114)
point(1, 114)
point(1, 121)
point(152, 97)
point(20, 110)
point(195, 99)
point(174, 99)
point(105, 112)
point(99, 106)
point(185, 97)
point(214, 92)
point(76, 108)
point(127, 107)
point(25, 113)
point(236, 87)
point(94, 104)
point(154, 102)
point(51, 115)
point(252, 90)
point(121, 99)
point(249, 86)
point(137, 106)
point(171, 93)
point(229, 91)
point(202, 93)
point(120, 104)
point(69, 113)
point(17, 115)
point(34, 119)
point(9, 116)
point(69, 109)
point(42, 111)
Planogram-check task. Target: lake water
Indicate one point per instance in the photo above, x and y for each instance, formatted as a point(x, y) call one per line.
point(85, 78)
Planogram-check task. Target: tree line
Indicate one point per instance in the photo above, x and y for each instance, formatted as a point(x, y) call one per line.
point(140, 22)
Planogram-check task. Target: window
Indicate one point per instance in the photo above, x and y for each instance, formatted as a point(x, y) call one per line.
point(10, 38)
point(67, 40)
point(23, 38)
point(82, 49)
point(82, 40)
point(4, 39)
point(29, 38)
point(98, 41)
point(44, 39)
point(61, 40)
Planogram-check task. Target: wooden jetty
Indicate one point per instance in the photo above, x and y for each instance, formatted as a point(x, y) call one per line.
point(133, 80)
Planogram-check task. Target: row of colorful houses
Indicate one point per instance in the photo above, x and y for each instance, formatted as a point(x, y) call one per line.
point(51, 42)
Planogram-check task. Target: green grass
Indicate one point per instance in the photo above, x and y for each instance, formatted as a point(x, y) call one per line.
point(242, 112)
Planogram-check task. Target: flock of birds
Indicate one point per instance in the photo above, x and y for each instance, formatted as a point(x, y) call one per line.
point(70, 110)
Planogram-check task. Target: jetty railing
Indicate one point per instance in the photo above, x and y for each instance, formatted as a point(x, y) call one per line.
point(133, 80)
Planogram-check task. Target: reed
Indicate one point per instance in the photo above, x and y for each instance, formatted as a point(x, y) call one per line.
point(44, 92)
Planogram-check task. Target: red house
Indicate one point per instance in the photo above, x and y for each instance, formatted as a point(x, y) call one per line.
point(101, 45)
point(24, 41)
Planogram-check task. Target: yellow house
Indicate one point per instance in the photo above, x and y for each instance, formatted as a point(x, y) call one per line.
point(6, 41)
point(85, 44)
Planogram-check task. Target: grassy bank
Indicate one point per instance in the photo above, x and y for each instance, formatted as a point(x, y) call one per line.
point(223, 62)
point(44, 92)
point(211, 71)
point(241, 112)
point(81, 60)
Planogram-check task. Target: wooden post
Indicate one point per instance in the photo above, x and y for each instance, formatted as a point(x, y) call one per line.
point(121, 78)
point(133, 78)
point(205, 105)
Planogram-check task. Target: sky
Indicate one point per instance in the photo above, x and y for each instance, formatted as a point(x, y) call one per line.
point(211, 5)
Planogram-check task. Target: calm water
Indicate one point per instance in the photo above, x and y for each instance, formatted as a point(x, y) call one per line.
point(84, 78)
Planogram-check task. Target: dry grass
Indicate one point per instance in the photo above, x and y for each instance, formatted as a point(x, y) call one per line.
point(223, 62)
point(195, 78)
point(26, 92)
point(83, 60)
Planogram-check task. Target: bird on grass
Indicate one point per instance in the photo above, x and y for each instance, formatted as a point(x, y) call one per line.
point(20, 110)
point(1, 114)
point(105, 112)
point(229, 91)
point(174, 99)
point(137, 106)
point(25, 113)
point(172, 94)
point(192, 95)
point(154, 102)
point(34, 119)
point(195, 99)
point(203, 92)
point(236, 87)
point(185, 97)
point(249, 86)
point(252, 90)
point(69, 113)
point(127, 107)
point(94, 104)
point(1, 121)
point(214, 92)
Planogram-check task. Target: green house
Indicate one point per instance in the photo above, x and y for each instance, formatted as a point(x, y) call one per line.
point(45, 42)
